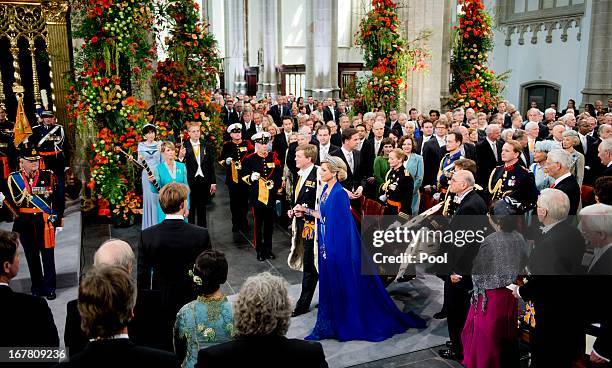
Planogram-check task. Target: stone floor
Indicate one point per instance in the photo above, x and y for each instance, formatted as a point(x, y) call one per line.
point(411, 349)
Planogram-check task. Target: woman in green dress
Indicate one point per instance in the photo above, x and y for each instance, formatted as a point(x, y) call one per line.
point(208, 320)
point(381, 164)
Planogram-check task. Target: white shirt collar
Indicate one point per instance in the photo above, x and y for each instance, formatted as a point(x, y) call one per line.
point(559, 179)
point(114, 337)
point(175, 217)
point(547, 228)
point(460, 198)
point(326, 146)
point(305, 172)
point(491, 142)
point(3, 284)
point(346, 153)
point(197, 143)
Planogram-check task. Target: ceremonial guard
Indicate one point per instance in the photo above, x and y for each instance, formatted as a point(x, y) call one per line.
point(34, 193)
point(304, 196)
point(513, 180)
point(232, 154)
point(8, 154)
point(262, 171)
point(398, 187)
point(50, 142)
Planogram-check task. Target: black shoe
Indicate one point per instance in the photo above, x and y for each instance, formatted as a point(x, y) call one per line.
point(440, 315)
point(299, 312)
point(271, 255)
point(51, 296)
point(448, 354)
point(406, 278)
point(449, 344)
point(260, 257)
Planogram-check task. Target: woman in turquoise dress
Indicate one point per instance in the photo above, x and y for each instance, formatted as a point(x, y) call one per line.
point(414, 165)
point(352, 304)
point(148, 150)
point(208, 320)
point(169, 171)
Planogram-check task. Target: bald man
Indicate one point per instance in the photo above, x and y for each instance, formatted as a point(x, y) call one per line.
point(113, 252)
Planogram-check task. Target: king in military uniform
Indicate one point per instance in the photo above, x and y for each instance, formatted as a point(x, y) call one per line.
point(232, 154)
point(50, 142)
point(513, 180)
point(262, 172)
point(34, 193)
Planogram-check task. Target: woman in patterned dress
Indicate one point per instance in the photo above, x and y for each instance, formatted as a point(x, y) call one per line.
point(207, 320)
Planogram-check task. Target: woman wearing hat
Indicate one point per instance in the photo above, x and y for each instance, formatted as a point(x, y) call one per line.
point(540, 152)
point(148, 151)
point(570, 139)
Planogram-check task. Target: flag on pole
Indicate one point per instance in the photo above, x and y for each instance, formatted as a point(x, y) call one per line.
point(22, 127)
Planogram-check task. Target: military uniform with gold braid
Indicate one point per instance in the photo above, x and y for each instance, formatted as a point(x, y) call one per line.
point(40, 212)
point(516, 182)
point(263, 174)
point(232, 154)
point(398, 188)
point(50, 141)
point(446, 169)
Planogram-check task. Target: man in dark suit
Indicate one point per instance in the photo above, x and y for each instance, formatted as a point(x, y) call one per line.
point(281, 140)
point(335, 136)
point(604, 152)
point(557, 166)
point(394, 124)
point(330, 112)
point(310, 105)
point(588, 147)
point(113, 252)
point(249, 127)
point(261, 324)
point(433, 151)
point(597, 230)
point(107, 296)
point(355, 180)
point(470, 214)
point(279, 110)
point(521, 137)
point(26, 320)
point(324, 146)
point(199, 157)
point(166, 253)
point(229, 114)
point(557, 340)
point(304, 196)
point(488, 154)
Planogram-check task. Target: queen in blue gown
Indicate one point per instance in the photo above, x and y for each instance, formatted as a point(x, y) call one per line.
point(169, 171)
point(352, 306)
point(148, 150)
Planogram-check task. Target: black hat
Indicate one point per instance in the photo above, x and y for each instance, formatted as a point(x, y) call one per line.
point(47, 114)
point(29, 153)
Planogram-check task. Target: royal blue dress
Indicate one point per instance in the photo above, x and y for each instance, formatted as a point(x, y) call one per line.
point(351, 306)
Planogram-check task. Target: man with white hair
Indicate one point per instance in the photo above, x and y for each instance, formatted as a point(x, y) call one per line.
point(596, 227)
point(569, 120)
point(557, 166)
point(557, 340)
point(533, 131)
point(113, 252)
point(557, 132)
point(605, 155)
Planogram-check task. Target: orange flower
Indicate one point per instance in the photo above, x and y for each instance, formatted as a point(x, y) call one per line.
point(130, 101)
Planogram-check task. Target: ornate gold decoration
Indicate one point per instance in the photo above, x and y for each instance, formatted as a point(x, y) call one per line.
point(55, 11)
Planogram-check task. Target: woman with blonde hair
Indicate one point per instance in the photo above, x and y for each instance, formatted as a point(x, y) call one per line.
point(352, 305)
point(169, 171)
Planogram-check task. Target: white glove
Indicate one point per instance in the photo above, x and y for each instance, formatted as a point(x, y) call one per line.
point(383, 198)
point(255, 176)
point(228, 160)
point(436, 196)
point(2, 198)
point(58, 230)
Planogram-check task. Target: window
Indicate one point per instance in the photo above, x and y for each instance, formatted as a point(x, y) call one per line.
point(295, 83)
point(517, 11)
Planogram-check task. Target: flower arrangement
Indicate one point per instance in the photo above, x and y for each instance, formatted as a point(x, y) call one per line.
point(473, 84)
point(113, 62)
point(183, 82)
point(388, 55)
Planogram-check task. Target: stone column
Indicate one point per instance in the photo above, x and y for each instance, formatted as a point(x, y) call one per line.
point(427, 89)
point(268, 80)
point(322, 49)
point(598, 84)
point(234, 47)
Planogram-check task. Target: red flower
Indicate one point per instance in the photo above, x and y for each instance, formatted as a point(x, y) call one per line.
point(94, 39)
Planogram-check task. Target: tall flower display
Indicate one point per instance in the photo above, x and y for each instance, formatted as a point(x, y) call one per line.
point(388, 55)
point(183, 82)
point(113, 61)
point(473, 83)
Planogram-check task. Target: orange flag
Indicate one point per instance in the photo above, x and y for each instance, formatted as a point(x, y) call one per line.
point(22, 127)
